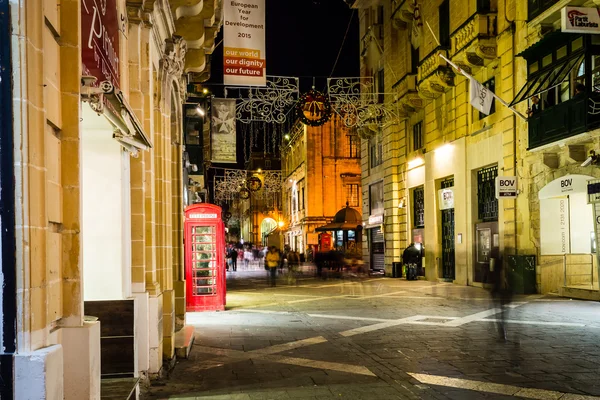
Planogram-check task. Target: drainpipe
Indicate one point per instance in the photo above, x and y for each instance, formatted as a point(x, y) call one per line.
point(7, 210)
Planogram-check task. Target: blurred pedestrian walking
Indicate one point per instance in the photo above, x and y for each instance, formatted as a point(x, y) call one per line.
point(501, 294)
point(272, 259)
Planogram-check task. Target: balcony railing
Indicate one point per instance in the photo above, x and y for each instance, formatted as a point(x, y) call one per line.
point(572, 117)
point(536, 7)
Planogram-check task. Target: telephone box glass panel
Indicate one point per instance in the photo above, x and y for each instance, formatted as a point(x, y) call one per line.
point(204, 257)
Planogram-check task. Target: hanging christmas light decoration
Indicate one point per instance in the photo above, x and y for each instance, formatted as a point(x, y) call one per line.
point(244, 194)
point(254, 183)
point(313, 108)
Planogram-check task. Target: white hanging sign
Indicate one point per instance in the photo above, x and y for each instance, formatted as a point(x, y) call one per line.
point(580, 20)
point(446, 197)
point(244, 45)
point(506, 187)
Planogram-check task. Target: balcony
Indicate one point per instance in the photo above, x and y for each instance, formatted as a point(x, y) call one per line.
point(435, 77)
point(572, 117)
point(474, 43)
point(403, 13)
point(406, 95)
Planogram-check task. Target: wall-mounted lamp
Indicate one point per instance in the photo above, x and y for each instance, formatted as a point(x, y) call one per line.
point(402, 203)
point(259, 170)
point(281, 224)
point(592, 159)
point(286, 137)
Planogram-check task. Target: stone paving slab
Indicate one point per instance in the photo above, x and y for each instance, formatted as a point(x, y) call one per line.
point(331, 339)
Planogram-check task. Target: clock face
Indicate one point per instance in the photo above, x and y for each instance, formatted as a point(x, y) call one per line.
point(314, 108)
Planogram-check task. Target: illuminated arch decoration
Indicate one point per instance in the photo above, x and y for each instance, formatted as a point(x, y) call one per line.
point(359, 105)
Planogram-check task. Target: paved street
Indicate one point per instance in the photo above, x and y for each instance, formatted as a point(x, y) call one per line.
point(385, 338)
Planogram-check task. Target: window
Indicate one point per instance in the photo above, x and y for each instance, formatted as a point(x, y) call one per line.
point(414, 60)
point(418, 135)
point(352, 191)
point(487, 204)
point(491, 85)
point(376, 197)
point(352, 146)
point(375, 151)
point(303, 204)
point(419, 207)
point(444, 15)
point(380, 82)
point(484, 6)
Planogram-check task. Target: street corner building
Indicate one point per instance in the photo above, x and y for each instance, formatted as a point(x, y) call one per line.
point(433, 176)
point(93, 95)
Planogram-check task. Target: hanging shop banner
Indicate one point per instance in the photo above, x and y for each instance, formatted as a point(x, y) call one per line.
point(100, 40)
point(223, 133)
point(244, 43)
point(580, 20)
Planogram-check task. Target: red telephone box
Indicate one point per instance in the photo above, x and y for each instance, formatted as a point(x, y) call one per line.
point(204, 238)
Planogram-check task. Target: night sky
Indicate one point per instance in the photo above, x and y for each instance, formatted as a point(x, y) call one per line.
point(303, 40)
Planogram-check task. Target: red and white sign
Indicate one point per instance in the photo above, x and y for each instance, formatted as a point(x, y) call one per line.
point(580, 20)
point(100, 40)
point(244, 45)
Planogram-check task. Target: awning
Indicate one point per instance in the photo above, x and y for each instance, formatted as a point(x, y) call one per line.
point(549, 79)
point(339, 226)
point(110, 102)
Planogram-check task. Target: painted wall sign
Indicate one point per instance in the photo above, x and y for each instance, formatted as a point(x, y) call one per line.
point(244, 45)
point(506, 187)
point(565, 185)
point(375, 219)
point(202, 216)
point(580, 20)
point(100, 40)
point(446, 198)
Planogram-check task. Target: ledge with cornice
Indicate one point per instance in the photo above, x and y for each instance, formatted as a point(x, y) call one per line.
point(197, 21)
point(406, 95)
point(435, 76)
point(474, 42)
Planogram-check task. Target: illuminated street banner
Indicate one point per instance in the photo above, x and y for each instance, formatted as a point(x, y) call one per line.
point(223, 131)
point(100, 40)
point(244, 43)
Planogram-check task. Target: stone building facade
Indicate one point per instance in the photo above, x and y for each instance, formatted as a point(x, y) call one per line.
point(98, 167)
point(321, 171)
point(435, 166)
point(438, 161)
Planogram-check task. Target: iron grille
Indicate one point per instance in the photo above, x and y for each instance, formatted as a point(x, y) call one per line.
point(448, 183)
point(419, 207)
point(487, 204)
point(448, 261)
